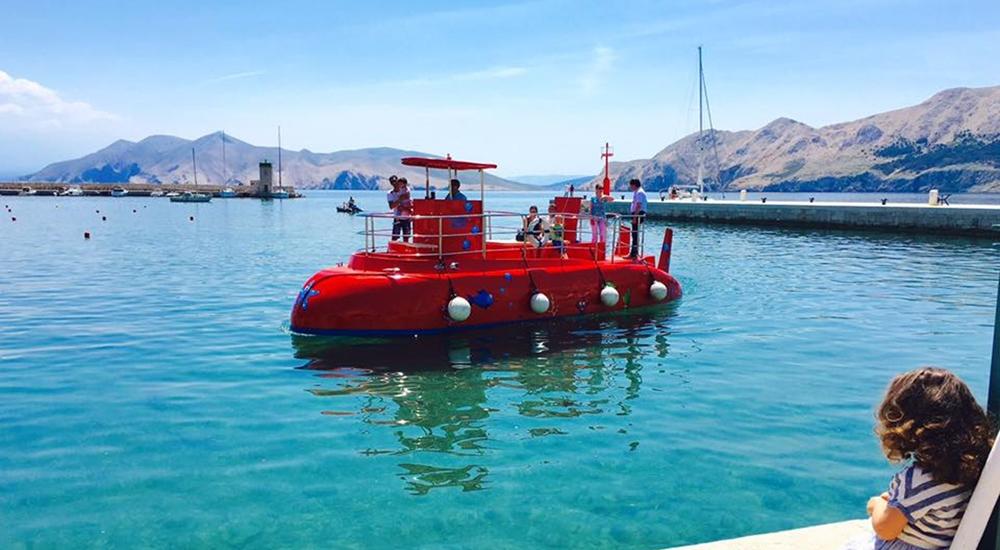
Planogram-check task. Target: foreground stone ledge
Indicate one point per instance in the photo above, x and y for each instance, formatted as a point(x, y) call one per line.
point(831, 536)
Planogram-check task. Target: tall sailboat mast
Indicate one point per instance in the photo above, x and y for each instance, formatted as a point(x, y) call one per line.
point(194, 166)
point(225, 174)
point(701, 126)
point(279, 158)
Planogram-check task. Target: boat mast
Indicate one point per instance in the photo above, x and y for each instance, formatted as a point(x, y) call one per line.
point(279, 159)
point(194, 166)
point(701, 126)
point(606, 155)
point(225, 176)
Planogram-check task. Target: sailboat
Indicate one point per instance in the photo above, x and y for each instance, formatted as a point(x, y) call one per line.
point(227, 192)
point(280, 193)
point(697, 191)
point(192, 196)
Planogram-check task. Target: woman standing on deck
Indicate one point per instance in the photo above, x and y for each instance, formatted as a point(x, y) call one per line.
point(599, 215)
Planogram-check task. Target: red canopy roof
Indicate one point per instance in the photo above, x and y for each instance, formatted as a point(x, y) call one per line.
point(446, 163)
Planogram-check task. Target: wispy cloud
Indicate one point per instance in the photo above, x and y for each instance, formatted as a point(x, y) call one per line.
point(491, 74)
point(592, 78)
point(34, 103)
point(234, 76)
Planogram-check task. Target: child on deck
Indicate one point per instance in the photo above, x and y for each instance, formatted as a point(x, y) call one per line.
point(558, 233)
point(930, 418)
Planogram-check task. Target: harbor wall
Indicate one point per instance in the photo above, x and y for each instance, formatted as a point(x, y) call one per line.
point(832, 536)
point(916, 218)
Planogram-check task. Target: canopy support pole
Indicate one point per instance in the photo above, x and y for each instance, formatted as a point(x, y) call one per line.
point(427, 182)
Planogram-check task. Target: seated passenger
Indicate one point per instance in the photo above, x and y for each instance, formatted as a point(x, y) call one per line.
point(534, 229)
point(455, 194)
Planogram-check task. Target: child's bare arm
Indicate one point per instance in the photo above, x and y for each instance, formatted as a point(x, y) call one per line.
point(887, 521)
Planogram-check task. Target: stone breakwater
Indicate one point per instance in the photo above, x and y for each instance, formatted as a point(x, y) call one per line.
point(965, 219)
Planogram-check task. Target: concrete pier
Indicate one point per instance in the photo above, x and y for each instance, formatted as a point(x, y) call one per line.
point(832, 536)
point(964, 219)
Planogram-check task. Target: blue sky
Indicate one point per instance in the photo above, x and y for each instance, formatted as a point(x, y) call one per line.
point(535, 86)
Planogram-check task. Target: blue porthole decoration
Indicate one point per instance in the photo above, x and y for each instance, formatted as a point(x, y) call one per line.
point(466, 244)
point(304, 295)
point(475, 230)
point(665, 247)
point(468, 206)
point(508, 277)
point(482, 299)
point(458, 223)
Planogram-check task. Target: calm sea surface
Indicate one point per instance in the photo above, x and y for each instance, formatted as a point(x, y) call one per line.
point(150, 395)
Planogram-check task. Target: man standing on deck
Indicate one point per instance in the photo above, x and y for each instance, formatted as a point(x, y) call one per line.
point(399, 202)
point(638, 212)
point(454, 194)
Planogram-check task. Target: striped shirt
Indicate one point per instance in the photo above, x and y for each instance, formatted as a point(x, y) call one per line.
point(933, 510)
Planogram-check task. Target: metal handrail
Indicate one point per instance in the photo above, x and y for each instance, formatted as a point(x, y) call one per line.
point(372, 234)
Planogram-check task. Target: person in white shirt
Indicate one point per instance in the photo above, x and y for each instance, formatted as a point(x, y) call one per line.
point(638, 212)
point(402, 208)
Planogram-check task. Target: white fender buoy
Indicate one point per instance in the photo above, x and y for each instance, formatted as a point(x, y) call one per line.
point(459, 309)
point(540, 303)
point(609, 296)
point(658, 291)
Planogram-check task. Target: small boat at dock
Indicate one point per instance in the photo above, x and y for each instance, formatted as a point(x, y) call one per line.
point(227, 193)
point(27, 191)
point(188, 196)
point(71, 192)
point(119, 192)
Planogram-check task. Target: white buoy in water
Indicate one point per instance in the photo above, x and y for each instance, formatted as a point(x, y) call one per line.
point(540, 303)
point(459, 309)
point(658, 291)
point(609, 296)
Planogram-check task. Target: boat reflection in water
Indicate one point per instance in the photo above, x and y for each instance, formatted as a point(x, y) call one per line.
point(447, 402)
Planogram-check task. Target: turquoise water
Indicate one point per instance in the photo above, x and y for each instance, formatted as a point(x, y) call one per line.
point(149, 395)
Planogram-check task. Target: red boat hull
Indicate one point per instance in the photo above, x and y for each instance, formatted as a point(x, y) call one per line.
point(376, 295)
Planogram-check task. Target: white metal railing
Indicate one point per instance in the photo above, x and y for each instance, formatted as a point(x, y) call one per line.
point(493, 225)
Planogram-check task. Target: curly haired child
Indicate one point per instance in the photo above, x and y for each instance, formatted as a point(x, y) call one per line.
point(929, 420)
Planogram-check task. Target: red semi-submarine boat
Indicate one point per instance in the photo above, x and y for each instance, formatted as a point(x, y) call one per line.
point(456, 272)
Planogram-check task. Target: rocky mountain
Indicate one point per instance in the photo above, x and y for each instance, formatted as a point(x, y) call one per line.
point(950, 142)
point(167, 159)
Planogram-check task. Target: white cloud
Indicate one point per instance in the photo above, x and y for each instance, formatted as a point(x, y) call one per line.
point(33, 103)
point(593, 77)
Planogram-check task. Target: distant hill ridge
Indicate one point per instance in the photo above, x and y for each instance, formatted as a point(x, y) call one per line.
point(950, 142)
point(167, 159)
